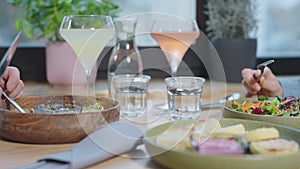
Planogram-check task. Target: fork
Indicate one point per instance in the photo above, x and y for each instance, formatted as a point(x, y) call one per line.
point(262, 66)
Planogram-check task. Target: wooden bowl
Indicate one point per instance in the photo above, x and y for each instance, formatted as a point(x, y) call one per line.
point(55, 128)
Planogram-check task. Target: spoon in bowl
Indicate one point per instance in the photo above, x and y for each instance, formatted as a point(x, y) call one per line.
point(13, 102)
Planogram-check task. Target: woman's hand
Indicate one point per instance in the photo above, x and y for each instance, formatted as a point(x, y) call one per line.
point(11, 82)
point(266, 85)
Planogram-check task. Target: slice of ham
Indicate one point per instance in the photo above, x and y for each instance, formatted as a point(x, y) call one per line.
point(220, 147)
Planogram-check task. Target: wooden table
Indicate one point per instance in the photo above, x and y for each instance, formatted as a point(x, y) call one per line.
point(13, 155)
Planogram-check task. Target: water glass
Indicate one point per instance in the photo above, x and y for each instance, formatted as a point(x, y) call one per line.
point(184, 97)
point(132, 93)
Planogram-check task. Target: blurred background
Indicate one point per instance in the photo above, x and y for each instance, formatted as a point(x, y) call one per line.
point(277, 34)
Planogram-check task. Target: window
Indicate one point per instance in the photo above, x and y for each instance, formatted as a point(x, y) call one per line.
point(185, 9)
point(144, 8)
point(278, 29)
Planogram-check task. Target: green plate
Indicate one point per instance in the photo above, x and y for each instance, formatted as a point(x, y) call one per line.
point(228, 112)
point(191, 160)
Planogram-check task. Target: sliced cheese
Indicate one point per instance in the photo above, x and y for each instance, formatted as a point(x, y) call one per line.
point(276, 146)
point(178, 134)
point(261, 134)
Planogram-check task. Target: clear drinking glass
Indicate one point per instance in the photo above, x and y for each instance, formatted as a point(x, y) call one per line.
point(174, 36)
point(87, 35)
point(132, 93)
point(184, 96)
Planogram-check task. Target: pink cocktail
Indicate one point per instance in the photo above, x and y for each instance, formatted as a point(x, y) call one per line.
point(174, 37)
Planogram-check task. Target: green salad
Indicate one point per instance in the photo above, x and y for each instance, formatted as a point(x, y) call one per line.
point(274, 106)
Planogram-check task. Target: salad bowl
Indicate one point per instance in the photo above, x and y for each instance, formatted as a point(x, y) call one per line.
point(229, 111)
point(55, 128)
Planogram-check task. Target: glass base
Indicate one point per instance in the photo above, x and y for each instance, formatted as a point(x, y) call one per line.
point(131, 114)
point(184, 116)
point(162, 106)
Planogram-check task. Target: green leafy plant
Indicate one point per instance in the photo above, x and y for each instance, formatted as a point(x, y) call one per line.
point(42, 18)
point(230, 18)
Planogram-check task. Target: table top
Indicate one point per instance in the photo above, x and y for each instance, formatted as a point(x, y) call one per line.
point(13, 155)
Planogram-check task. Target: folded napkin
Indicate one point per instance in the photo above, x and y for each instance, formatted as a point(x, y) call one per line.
point(114, 139)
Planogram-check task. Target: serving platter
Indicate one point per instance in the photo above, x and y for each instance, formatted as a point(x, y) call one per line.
point(178, 159)
point(229, 112)
point(55, 128)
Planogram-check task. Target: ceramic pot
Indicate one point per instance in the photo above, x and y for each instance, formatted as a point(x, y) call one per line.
point(63, 69)
point(235, 55)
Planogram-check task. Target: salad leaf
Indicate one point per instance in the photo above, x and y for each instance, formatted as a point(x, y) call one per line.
point(236, 107)
point(261, 98)
point(295, 113)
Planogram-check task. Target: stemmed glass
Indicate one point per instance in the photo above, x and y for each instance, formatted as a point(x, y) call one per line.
point(87, 35)
point(174, 36)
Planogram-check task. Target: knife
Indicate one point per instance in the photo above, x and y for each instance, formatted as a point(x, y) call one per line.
point(5, 61)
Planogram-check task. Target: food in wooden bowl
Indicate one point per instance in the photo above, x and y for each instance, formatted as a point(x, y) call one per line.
point(277, 110)
point(56, 127)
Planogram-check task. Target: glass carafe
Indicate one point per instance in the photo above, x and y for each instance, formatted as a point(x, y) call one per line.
point(125, 57)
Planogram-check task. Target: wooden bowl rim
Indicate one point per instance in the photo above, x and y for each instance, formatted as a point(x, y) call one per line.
point(116, 106)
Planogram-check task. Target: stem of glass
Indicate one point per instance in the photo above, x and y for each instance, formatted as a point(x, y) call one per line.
point(88, 81)
point(174, 63)
point(173, 72)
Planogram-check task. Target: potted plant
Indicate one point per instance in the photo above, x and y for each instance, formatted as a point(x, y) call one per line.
point(229, 26)
point(41, 19)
